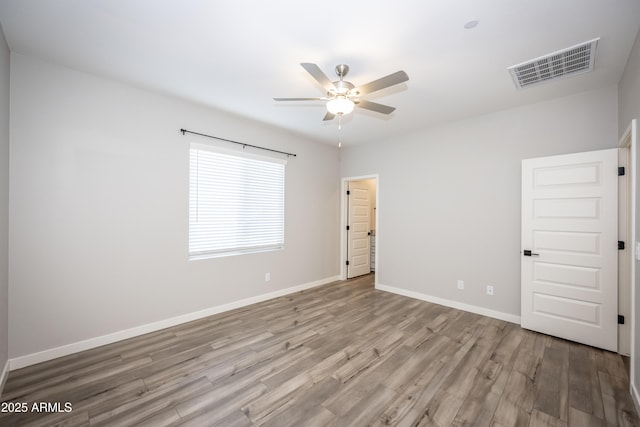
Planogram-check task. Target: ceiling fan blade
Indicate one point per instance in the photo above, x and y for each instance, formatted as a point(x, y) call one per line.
point(383, 82)
point(320, 76)
point(300, 99)
point(374, 106)
point(328, 116)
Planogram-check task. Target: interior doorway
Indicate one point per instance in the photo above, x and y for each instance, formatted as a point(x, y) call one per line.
point(359, 229)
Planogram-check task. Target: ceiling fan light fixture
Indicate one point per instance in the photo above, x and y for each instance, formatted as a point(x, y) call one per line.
point(340, 106)
point(340, 94)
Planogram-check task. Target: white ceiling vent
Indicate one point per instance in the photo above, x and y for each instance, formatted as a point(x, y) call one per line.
point(566, 62)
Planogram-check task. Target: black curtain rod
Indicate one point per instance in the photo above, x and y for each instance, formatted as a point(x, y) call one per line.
point(184, 131)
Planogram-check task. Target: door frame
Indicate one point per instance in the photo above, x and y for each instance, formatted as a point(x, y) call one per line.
point(344, 203)
point(625, 257)
point(629, 140)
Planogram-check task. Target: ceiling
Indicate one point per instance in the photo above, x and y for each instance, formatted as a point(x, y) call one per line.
point(238, 55)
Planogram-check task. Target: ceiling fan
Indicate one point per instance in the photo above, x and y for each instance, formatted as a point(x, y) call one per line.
point(342, 96)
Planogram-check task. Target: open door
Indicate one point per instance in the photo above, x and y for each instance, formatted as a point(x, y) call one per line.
point(570, 247)
point(358, 229)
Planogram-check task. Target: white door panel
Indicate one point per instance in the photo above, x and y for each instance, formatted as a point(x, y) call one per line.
point(567, 275)
point(569, 223)
point(567, 243)
point(358, 246)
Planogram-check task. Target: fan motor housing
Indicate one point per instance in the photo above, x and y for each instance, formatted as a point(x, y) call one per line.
point(342, 70)
point(342, 87)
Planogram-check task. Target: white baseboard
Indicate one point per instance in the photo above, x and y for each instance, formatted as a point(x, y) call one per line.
point(65, 350)
point(635, 396)
point(453, 304)
point(3, 377)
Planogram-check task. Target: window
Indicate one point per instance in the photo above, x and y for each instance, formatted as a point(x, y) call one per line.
point(236, 202)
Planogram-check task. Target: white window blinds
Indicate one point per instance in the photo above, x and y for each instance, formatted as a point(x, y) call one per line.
point(236, 203)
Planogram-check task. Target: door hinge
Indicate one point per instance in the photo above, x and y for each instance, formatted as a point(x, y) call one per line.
point(620, 319)
point(348, 192)
point(620, 170)
point(348, 228)
point(347, 262)
point(620, 245)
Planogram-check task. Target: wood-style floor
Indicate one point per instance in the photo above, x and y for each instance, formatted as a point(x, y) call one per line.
point(343, 354)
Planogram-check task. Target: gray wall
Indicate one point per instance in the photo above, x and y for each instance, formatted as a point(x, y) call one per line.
point(99, 214)
point(4, 198)
point(449, 196)
point(629, 90)
point(629, 109)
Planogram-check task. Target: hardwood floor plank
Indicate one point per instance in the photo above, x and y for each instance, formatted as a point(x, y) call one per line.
point(506, 350)
point(552, 388)
point(300, 366)
point(582, 372)
point(51, 372)
point(368, 408)
point(318, 417)
point(516, 401)
point(426, 400)
point(330, 364)
point(409, 405)
point(263, 406)
point(178, 366)
point(339, 354)
point(416, 364)
point(441, 411)
point(540, 419)
point(277, 357)
point(386, 367)
point(304, 403)
point(78, 419)
point(351, 393)
point(234, 419)
point(165, 418)
point(214, 406)
point(597, 405)
point(59, 380)
point(529, 354)
point(618, 406)
point(150, 404)
point(578, 418)
point(480, 404)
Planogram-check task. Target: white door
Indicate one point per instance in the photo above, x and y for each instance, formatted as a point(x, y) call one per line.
point(570, 247)
point(358, 228)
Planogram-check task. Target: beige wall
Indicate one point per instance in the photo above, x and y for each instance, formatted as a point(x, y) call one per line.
point(449, 196)
point(629, 109)
point(371, 185)
point(4, 200)
point(99, 214)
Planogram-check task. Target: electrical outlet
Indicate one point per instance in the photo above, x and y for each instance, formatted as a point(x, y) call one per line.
point(461, 284)
point(489, 290)
point(267, 277)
